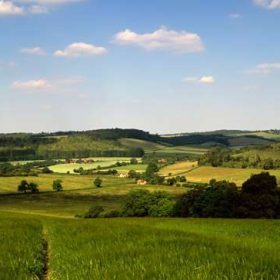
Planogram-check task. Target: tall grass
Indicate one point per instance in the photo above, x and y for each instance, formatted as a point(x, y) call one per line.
point(20, 248)
point(164, 249)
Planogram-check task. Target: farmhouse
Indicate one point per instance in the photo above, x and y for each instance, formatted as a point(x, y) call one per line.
point(141, 182)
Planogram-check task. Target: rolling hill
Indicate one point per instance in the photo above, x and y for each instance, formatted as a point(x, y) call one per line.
point(123, 142)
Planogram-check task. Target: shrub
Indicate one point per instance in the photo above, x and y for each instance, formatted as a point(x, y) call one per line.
point(94, 212)
point(259, 197)
point(24, 186)
point(136, 204)
point(141, 203)
point(163, 208)
point(57, 185)
point(46, 170)
point(111, 214)
point(98, 182)
point(217, 200)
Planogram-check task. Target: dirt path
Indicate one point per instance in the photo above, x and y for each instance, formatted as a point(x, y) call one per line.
point(45, 272)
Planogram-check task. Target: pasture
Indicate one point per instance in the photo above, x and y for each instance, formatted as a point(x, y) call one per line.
point(204, 174)
point(78, 195)
point(178, 168)
point(98, 162)
point(138, 248)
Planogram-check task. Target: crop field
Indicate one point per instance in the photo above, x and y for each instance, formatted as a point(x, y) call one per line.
point(137, 248)
point(78, 195)
point(178, 168)
point(205, 173)
point(70, 182)
point(263, 154)
point(136, 167)
point(190, 150)
point(137, 143)
point(102, 162)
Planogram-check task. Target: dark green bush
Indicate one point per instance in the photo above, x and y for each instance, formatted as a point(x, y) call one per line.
point(141, 203)
point(94, 212)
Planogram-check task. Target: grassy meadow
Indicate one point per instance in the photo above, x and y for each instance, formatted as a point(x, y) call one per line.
point(204, 174)
point(98, 161)
point(42, 238)
point(79, 194)
point(138, 248)
point(178, 168)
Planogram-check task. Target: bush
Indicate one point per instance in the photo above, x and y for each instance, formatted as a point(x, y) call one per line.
point(217, 201)
point(259, 197)
point(111, 214)
point(24, 187)
point(136, 204)
point(163, 208)
point(141, 203)
point(57, 185)
point(46, 170)
point(94, 212)
point(98, 182)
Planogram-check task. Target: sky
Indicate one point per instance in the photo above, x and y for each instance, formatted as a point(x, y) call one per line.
point(164, 66)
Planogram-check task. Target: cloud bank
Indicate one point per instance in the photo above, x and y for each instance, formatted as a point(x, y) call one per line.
point(200, 80)
point(80, 49)
point(268, 4)
point(162, 39)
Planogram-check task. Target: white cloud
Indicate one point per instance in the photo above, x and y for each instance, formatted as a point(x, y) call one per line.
point(200, 80)
point(32, 85)
point(265, 68)
point(56, 85)
point(80, 49)
point(162, 39)
point(25, 7)
point(8, 8)
point(33, 51)
point(268, 4)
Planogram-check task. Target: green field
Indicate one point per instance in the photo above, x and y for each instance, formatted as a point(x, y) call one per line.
point(178, 168)
point(151, 147)
point(204, 174)
point(78, 196)
point(136, 167)
point(138, 248)
point(42, 239)
point(99, 161)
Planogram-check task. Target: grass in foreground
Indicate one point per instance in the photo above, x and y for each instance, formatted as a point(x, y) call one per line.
point(140, 248)
point(20, 248)
point(165, 249)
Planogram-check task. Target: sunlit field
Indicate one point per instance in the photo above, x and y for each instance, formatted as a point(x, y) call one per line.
point(178, 168)
point(138, 248)
point(238, 175)
point(101, 162)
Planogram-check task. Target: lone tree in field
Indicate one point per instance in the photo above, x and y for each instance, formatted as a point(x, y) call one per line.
point(57, 185)
point(23, 186)
point(33, 187)
point(98, 182)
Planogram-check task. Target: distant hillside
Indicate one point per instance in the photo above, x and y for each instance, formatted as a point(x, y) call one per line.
point(265, 157)
point(122, 142)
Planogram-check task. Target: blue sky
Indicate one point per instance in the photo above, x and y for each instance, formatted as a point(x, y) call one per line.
point(159, 65)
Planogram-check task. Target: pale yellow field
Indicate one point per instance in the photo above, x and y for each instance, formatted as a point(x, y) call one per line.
point(205, 173)
point(178, 168)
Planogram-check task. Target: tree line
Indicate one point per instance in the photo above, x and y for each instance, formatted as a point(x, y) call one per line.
point(259, 197)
